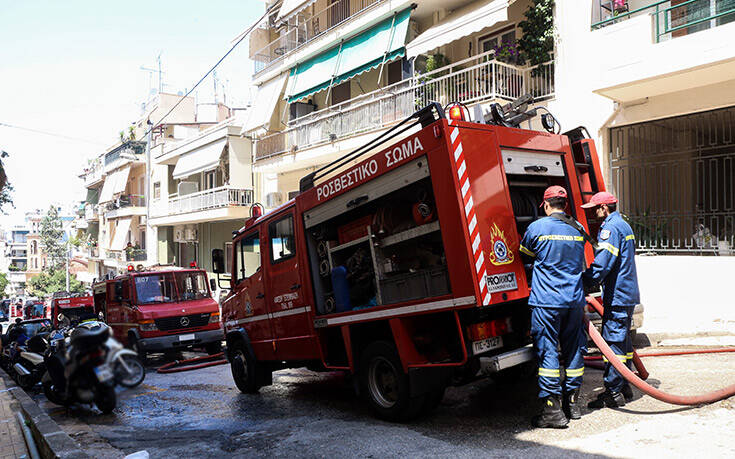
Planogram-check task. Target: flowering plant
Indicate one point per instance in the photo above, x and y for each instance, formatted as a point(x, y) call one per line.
point(508, 53)
point(619, 5)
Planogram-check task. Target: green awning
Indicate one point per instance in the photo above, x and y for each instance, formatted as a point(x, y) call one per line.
point(383, 42)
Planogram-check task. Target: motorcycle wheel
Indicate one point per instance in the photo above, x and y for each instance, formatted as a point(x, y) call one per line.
point(52, 395)
point(105, 398)
point(134, 377)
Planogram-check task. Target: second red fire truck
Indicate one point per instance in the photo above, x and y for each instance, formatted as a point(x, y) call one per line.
point(399, 264)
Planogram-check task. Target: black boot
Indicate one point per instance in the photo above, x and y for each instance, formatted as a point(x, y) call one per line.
point(627, 392)
point(571, 405)
point(609, 399)
point(551, 415)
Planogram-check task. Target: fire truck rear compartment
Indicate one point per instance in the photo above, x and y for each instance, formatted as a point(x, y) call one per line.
point(378, 244)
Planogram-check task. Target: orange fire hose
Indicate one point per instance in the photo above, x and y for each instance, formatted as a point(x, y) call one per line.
point(169, 367)
point(632, 378)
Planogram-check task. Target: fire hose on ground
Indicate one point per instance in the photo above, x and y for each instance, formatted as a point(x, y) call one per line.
point(173, 367)
point(639, 382)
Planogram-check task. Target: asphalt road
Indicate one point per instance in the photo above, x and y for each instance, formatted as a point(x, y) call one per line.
point(306, 414)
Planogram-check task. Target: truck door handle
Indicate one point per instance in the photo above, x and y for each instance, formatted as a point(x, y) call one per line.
point(259, 296)
point(295, 286)
point(536, 168)
point(357, 201)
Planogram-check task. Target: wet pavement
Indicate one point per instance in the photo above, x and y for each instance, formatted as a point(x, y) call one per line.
point(306, 414)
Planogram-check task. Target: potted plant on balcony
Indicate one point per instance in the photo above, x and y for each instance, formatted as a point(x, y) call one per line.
point(537, 43)
point(432, 91)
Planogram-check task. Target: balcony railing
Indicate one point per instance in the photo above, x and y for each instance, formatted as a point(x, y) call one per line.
point(215, 198)
point(93, 173)
point(670, 21)
point(301, 32)
point(126, 200)
point(487, 80)
point(132, 254)
point(91, 212)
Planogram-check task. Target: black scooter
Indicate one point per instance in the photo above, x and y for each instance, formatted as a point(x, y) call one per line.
point(77, 369)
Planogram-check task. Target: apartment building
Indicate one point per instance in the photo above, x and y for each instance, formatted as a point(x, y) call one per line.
point(202, 192)
point(17, 253)
point(115, 208)
point(334, 74)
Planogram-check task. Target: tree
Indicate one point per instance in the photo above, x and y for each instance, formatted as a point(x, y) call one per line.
point(3, 282)
point(6, 188)
point(52, 234)
point(537, 42)
point(52, 281)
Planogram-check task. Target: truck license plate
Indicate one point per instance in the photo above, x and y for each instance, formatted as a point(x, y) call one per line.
point(103, 373)
point(488, 344)
point(189, 337)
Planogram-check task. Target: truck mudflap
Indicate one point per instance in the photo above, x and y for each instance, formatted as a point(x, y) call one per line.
point(469, 211)
point(496, 363)
point(428, 379)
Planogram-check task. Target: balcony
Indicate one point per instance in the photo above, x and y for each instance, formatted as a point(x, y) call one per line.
point(660, 48)
point(301, 32)
point(125, 206)
point(94, 173)
point(221, 203)
point(132, 150)
point(474, 80)
point(670, 20)
point(91, 212)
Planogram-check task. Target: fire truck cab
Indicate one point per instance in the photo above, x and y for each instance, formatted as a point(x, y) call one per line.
point(402, 268)
point(161, 309)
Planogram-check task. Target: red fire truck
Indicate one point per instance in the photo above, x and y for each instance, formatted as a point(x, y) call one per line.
point(161, 309)
point(67, 308)
point(403, 268)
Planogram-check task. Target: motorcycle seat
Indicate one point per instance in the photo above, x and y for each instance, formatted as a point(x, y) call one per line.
point(85, 337)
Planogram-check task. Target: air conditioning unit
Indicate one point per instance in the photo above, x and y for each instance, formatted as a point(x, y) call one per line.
point(191, 235)
point(273, 199)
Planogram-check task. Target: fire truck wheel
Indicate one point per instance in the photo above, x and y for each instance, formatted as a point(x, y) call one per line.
point(135, 347)
point(385, 384)
point(243, 369)
point(213, 348)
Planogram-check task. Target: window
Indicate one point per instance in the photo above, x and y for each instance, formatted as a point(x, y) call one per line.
point(191, 286)
point(281, 236)
point(496, 40)
point(157, 190)
point(155, 288)
point(210, 180)
point(247, 256)
point(228, 257)
point(341, 93)
point(142, 239)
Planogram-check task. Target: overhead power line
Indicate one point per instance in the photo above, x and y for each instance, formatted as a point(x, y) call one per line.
point(240, 39)
point(52, 134)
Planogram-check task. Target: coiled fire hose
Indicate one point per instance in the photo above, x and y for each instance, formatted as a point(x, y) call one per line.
point(173, 367)
point(632, 378)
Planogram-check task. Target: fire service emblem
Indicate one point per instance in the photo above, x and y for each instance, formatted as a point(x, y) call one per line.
point(500, 254)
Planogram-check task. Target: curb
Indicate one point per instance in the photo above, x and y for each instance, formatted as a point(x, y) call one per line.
point(51, 440)
point(655, 338)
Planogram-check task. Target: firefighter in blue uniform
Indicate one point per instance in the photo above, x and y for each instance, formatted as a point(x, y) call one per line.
point(557, 301)
point(614, 268)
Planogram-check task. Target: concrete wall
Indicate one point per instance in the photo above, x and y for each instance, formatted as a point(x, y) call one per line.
point(240, 158)
point(214, 236)
point(686, 294)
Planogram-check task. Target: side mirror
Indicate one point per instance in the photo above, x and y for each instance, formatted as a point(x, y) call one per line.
point(218, 261)
point(60, 317)
point(118, 291)
point(212, 285)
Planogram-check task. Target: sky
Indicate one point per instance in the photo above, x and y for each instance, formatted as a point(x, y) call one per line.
point(73, 68)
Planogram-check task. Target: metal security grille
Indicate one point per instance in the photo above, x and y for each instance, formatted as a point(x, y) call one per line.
point(675, 179)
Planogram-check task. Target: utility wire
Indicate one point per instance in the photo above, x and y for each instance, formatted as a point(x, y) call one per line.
point(52, 134)
point(240, 39)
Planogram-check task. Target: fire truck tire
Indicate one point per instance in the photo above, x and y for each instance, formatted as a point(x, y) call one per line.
point(386, 385)
point(135, 347)
point(213, 348)
point(244, 369)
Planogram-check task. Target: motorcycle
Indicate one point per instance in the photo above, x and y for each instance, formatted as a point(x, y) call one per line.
point(128, 369)
point(28, 366)
point(77, 368)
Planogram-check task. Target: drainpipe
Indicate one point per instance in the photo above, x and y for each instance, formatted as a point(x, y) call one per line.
point(148, 228)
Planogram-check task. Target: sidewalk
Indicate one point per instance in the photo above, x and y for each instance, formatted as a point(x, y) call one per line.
point(12, 444)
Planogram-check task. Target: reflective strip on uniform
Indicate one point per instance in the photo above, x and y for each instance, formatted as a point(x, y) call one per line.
point(622, 358)
point(629, 355)
point(574, 372)
point(630, 237)
point(609, 247)
point(549, 372)
point(560, 237)
point(526, 251)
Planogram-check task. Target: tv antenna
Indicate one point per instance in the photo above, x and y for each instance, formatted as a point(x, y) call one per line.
point(151, 71)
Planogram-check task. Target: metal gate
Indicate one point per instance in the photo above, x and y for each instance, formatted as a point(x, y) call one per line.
point(675, 180)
